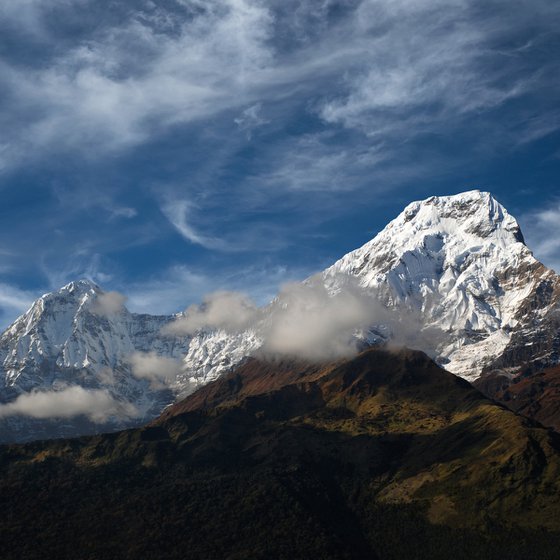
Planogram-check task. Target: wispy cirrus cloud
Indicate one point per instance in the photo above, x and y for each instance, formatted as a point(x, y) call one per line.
point(29, 15)
point(270, 123)
point(173, 289)
point(188, 63)
point(193, 60)
point(250, 119)
point(430, 65)
point(179, 212)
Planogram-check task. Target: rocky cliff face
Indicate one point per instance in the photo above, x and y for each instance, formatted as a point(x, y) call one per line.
point(535, 395)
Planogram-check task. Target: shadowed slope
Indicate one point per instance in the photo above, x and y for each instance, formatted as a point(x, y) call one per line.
point(536, 395)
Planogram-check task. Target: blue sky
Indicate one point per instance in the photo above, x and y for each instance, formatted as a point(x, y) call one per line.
point(170, 148)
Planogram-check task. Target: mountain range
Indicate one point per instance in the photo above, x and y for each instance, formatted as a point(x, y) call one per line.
point(304, 429)
point(451, 276)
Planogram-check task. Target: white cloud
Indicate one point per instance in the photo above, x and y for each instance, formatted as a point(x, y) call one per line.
point(81, 263)
point(250, 119)
point(29, 14)
point(310, 322)
point(229, 311)
point(305, 319)
point(98, 405)
point(123, 212)
point(175, 288)
point(393, 68)
point(170, 291)
point(106, 376)
point(427, 65)
point(159, 370)
point(96, 95)
point(13, 302)
point(109, 303)
point(15, 299)
point(311, 164)
point(178, 212)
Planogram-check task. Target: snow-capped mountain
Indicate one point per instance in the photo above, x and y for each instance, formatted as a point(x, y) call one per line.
point(456, 270)
point(453, 275)
point(458, 282)
point(72, 338)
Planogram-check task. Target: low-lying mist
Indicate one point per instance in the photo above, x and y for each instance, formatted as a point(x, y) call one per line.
point(306, 320)
point(96, 404)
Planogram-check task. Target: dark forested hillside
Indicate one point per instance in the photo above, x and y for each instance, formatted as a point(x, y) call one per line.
point(381, 456)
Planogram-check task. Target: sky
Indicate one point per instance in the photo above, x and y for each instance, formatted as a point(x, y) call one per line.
point(167, 149)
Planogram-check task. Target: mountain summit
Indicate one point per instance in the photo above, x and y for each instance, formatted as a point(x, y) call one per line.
point(456, 280)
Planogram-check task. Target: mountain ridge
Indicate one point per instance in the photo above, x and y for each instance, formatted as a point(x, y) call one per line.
point(384, 455)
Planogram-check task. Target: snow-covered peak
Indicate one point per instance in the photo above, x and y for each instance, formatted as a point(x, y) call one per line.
point(456, 265)
point(473, 214)
point(453, 272)
point(454, 230)
point(80, 287)
point(457, 225)
point(457, 280)
point(55, 312)
point(83, 336)
point(79, 295)
point(76, 290)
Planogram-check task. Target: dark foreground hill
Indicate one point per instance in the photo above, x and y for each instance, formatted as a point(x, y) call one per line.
point(381, 456)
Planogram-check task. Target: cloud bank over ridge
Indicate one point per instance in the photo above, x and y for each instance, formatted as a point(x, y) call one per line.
point(304, 320)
